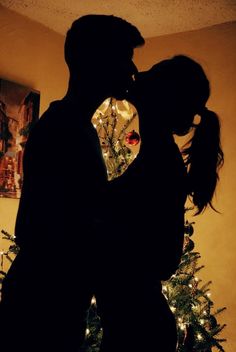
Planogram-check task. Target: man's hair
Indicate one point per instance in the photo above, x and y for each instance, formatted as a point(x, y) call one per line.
point(93, 36)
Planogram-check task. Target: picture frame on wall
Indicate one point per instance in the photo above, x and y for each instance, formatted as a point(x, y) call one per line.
point(19, 110)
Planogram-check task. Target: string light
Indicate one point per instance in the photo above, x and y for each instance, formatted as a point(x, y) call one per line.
point(195, 307)
point(181, 325)
point(164, 288)
point(199, 337)
point(93, 300)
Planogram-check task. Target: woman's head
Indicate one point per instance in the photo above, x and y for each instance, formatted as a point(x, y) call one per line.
point(180, 89)
point(173, 91)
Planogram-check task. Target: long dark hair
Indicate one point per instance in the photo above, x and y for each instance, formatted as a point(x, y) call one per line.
point(203, 158)
point(180, 88)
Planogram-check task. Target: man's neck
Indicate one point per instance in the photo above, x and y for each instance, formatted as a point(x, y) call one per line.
point(87, 95)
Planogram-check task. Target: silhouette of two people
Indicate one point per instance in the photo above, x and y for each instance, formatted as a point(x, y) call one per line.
point(80, 234)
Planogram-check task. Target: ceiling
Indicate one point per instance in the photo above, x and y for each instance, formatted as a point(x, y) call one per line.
point(152, 17)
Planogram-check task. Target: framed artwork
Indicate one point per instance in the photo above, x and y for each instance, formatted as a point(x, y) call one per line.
point(19, 109)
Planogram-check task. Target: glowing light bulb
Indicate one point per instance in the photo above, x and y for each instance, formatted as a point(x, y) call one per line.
point(93, 300)
point(87, 331)
point(199, 337)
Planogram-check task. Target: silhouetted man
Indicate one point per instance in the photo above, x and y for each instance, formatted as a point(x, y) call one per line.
point(49, 286)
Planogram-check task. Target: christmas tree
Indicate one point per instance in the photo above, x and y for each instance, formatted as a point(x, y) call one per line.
point(189, 298)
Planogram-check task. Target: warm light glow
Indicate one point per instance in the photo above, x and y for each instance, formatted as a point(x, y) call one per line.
point(113, 120)
point(164, 288)
point(182, 326)
point(93, 300)
point(199, 337)
point(195, 307)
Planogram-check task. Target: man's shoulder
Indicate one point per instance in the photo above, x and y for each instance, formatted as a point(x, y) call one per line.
point(53, 117)
point(56, 108)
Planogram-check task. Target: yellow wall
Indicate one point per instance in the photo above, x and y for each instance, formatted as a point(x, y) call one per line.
point(31, 54)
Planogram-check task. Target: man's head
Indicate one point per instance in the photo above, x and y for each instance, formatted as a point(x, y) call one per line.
point(99, 49)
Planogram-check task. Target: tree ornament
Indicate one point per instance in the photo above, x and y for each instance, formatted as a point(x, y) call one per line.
point(132, 138)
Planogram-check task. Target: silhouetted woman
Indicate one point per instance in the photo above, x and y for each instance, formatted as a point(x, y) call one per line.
point(146, 221)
